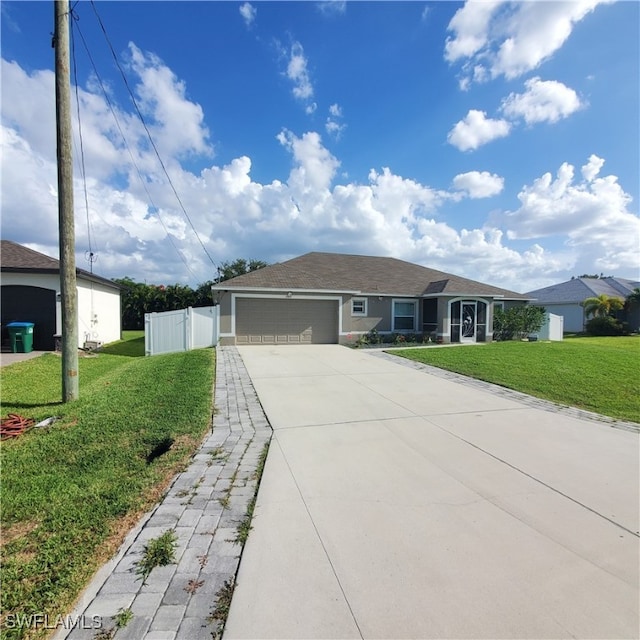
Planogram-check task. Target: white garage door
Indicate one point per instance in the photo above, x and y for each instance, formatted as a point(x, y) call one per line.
point(271, 321)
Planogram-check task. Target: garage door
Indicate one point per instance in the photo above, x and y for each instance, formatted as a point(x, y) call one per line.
point(269, 321)
point(30, 304)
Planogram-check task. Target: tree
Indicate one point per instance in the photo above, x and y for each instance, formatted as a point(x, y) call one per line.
point(238, 267)
point(602, 305)
point(139, 298)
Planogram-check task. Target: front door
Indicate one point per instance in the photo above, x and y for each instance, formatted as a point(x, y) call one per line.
point(468, 322)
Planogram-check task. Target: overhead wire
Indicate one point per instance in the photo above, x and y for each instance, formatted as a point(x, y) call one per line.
point(82, 164)
point(146, 128)
point(128, 148)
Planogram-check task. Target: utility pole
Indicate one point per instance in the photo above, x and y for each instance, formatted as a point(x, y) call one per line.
point(66, 218)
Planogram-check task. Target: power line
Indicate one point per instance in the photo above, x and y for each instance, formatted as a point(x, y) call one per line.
point(82, 165)
point(128, 148)
point(144, 124)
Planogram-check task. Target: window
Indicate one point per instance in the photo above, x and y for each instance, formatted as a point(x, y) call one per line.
point(404, 315)
point(358, 306)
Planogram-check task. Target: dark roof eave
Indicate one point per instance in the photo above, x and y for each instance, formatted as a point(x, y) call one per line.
point(79, 274)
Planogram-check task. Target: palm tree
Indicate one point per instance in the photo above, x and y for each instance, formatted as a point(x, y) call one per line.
point(602, 305)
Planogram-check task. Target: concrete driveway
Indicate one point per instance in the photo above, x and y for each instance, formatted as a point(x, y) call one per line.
point(398, 504)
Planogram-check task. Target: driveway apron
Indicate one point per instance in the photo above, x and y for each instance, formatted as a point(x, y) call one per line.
point(400, 504)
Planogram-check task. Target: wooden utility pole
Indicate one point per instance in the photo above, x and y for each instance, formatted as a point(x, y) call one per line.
point(66, 218)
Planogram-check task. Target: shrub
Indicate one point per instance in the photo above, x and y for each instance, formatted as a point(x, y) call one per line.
point(517, 322)
point(373, 337)
point(605, 326)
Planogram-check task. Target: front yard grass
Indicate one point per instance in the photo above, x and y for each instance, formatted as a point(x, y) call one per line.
point(596, 374)
point(72, 491)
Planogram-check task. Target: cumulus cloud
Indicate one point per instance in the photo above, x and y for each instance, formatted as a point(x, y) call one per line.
point(476, 129)
point(470, 26)
point(177, 122)
point(248, 13)
point(592, 168)
point(593, 214)
point(298, 73)
point(310, 208)
point(543, 101)
point(504, 38)
point(478, 184)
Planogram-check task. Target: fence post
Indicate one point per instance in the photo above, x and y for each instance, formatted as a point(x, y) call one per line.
point(188, 327)
point(147, 334)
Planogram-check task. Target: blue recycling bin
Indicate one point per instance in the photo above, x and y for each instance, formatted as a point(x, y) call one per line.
point(21, 336)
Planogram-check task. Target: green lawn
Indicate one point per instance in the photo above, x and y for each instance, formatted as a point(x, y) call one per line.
point(597, 374)
point(70, 492)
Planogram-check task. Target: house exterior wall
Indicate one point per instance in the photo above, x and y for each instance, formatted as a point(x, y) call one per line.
point(99, 312)
point(378, 316)
point(224, 302)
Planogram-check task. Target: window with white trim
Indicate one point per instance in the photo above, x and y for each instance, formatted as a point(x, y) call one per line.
point(358, 306)
point(404, 315)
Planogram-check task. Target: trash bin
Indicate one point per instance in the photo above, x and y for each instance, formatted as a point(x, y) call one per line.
point(21, 336)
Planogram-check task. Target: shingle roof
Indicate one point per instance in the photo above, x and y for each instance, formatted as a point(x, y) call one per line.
point(318, 271)
point(17, 258)
point(578, 289)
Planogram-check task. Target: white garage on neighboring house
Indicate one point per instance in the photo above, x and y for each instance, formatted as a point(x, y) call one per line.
point(30, 292)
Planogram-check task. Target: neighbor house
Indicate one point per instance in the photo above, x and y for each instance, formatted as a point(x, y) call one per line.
point(565, 299)
point(30, 292)
point(335, 298)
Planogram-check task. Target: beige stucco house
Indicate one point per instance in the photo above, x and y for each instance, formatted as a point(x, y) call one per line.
point(336, 298)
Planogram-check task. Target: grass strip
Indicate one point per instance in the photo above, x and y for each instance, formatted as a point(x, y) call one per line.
point(71, 492)
point(596, 374)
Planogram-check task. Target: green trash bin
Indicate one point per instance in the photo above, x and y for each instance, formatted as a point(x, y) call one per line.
point(21, 336)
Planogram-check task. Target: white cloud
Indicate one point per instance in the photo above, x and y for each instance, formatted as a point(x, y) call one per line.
point(509, 39)
point(479, 184)
point(332, 7)
point(471, 28)
point(248, 13)
point(178, 123)
point(316, 165)
point(476, 129)
point(543, 101)
point(592, 168)
point(311, 208)
point(334, 124)
point(298, 73)
point(593, 214)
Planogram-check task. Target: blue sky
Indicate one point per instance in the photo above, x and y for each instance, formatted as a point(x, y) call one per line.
point(495, 140)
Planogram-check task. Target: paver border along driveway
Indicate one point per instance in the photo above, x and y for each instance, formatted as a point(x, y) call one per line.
point(398, 504)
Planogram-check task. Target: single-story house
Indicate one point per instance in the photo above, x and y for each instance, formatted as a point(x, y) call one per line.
point(30, 292)
point(565, 299)
point(336, 298)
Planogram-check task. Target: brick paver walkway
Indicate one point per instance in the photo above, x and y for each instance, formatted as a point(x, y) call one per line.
point(204, 506)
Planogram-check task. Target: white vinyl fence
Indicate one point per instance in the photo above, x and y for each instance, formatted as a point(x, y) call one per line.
point(181, 330)
point(552, 328)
